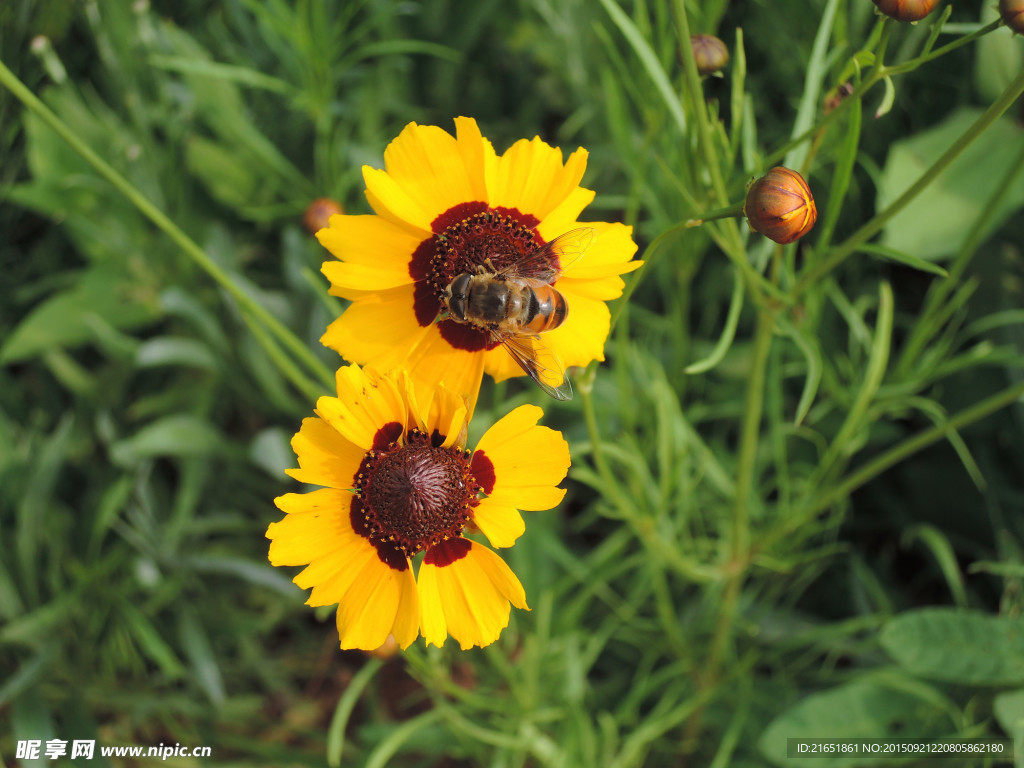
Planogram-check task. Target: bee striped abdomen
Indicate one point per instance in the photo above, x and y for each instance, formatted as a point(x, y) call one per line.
point(547, 309)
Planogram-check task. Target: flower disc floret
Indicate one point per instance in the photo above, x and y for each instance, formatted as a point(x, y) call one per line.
point(446, 205)
point(489, 241)
point(415, 494)
point(397, 481)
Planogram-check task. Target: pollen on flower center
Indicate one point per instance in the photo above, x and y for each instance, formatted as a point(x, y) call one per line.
point(415, 495)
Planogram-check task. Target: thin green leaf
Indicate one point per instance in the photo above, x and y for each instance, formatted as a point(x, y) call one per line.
point(887, 99)
point(812, 354)
point(649, 61)
point(728, 331)
point(944, 555)
point(907, 259)
point(231, 72)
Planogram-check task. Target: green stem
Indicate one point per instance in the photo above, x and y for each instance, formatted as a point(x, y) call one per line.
point(912, 64)
point(867, 84)
point(730, 211)
point(155, 215)
point(914, 444)
point(750, 436)
point(284, 364)
point(700, 110)
point(735, 249)
point(862, 235)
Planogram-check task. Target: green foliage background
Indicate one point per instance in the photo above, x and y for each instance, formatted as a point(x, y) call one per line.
point(816, 531)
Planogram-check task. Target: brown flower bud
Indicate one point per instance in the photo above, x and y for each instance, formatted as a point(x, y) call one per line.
point(319, 213)
point(836, 96)
point(709, 52)
point(906, 10)
point(387, 650)
point(1012, 12)
point(780, 206)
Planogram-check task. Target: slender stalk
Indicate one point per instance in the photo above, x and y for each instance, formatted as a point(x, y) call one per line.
point(735, 248)
point(848, 247)
point(917, 61)
point(700, 110)
point(935, 301)
point(914, 444)
point(867, 84)
point(250, 306)
point(750, 436)
point(739, 549)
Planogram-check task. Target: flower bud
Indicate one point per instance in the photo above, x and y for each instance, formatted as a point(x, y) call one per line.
point(780, 206)
point(1012, 12)
point(837, 96)
point(319, 213)
point(709, 52)
point(387, 650)
point(906, 10)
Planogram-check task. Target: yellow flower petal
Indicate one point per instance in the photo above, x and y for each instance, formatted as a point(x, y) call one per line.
point(365, 403)
point(501, 524)
point(374, 254)
point(435, 361)
point(563, 218)
point(332, 575)
point(581, 337)
point(433, 169)
point(527, 497)
point(478, 155)
point(325, 457)
point(500, 365)
point(388, 199)
point(380, 602)
point(316, 523)
point(380, 328)
point(609, 254)
point(530, 176)
point(432, 624)
point(469, 598)
point(523, 454)
point(449, 416)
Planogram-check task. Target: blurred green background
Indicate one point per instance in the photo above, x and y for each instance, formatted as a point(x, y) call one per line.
point(144, 427)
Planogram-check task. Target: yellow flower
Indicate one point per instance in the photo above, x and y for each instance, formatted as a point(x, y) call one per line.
point(398, 481)
point(479, 206)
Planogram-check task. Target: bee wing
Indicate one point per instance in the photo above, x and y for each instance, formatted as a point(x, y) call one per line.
point(566, 249)
point(540, 363)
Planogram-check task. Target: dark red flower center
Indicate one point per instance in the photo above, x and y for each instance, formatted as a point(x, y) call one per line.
point(468, 237)
point(413, 494)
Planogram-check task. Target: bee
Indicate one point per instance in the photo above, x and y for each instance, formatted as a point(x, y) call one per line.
point(518, 303)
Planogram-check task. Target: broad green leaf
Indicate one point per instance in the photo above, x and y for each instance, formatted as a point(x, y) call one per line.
point(936, 222)
point(1009, 711)
point(860, 709)
point(180, 435)
point(966, 647)
point(998, 58)
point(63, 320)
